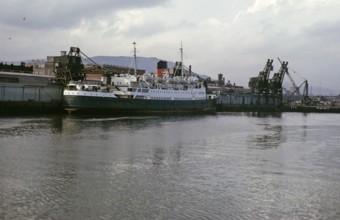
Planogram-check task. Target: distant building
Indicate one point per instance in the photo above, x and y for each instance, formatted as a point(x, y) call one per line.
point(38, 66)
point(22, 68)
point(53, 62)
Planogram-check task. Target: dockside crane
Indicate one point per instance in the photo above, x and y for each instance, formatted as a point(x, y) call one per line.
point(305, 88)
point(305, 95)
point(276, 81)
point(296, 89)
point(259, 84)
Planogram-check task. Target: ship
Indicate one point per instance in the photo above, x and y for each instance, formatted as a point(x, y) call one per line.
point(129, 93)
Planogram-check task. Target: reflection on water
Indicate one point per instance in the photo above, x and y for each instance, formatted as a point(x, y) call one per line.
point(21, 127)
point(224, 166)
point(271, 138)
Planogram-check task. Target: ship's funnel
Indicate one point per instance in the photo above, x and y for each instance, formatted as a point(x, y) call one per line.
point(162, 68)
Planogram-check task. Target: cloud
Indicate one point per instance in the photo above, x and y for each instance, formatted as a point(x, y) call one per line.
point(323, 30)
point(303, 33)
point(231, 37)
point(39, 27)
point(40, 14)
point(261, 5)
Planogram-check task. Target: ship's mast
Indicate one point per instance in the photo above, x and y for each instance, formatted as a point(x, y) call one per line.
point(181, 49)
point(134, 58)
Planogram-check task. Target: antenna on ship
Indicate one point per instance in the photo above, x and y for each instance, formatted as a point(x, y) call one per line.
point(181, 49)
point(135, 58)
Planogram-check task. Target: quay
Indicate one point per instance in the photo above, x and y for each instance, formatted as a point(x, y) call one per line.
point(22, 92)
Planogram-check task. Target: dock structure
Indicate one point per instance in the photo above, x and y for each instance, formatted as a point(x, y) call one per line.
point(236, 101)
point(27, 93)
point(23, 91)
point(264, 93)
point(267, 94)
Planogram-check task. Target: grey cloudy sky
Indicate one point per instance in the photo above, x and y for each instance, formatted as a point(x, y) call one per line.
point(233, 37)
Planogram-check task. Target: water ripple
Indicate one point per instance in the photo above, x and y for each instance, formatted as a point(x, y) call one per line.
point(224, 166)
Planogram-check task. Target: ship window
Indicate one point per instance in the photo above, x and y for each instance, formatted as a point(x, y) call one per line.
point(72, 87)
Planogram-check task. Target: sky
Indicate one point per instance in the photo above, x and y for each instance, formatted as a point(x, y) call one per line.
point(232, 37)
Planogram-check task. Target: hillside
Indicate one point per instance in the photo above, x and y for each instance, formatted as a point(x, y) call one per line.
point(149, 64)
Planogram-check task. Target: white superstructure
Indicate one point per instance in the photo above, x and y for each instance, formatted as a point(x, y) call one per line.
point(145, 87)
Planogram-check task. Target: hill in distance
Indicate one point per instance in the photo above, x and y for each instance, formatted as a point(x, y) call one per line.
point(149, 64)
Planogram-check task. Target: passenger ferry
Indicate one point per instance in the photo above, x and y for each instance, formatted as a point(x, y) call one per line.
point(149, 93)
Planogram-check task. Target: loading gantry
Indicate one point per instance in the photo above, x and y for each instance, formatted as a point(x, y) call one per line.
point(259, 84)
point(275, 83)
point(69, 67)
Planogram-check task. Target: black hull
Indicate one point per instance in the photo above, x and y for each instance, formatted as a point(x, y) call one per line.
point(88, 104)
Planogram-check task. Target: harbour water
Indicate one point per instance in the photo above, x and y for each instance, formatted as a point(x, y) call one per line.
point(223, 166)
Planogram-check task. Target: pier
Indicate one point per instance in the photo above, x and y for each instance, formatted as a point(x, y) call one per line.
point(21, 91)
